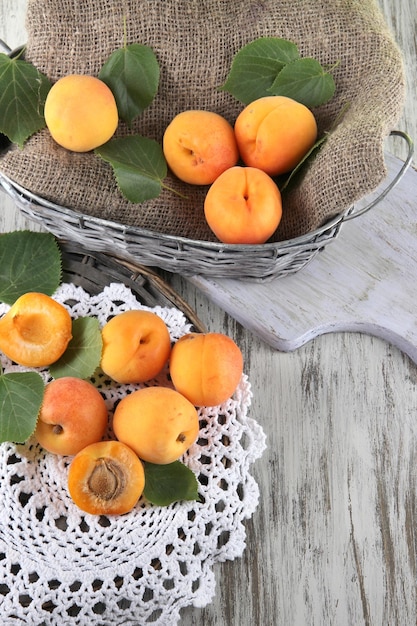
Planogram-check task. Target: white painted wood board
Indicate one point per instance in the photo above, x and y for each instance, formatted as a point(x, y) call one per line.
point(365, 280)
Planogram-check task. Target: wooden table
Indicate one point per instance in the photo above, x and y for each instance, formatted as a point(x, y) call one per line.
point(333, 540)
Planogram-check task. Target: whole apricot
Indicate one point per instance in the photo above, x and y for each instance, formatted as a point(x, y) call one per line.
point(243, 205)
point(199, 145)
point(274, 133)
point(106, 478)
point(80, 112)
point(35, 331)
point(73, 415)
point(206, 367)
point(158, 423)
point(136, 346)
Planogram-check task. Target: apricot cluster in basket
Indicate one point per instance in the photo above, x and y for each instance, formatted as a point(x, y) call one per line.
point(243, 204)
point(152, 423)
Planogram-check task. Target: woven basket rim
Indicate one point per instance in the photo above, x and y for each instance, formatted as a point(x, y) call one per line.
point(209, 245)
point(149, 287)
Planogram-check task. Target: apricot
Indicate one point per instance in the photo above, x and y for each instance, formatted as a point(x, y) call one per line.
point(206, 367)
point(158, 423)
point(199, 145)
point(136, 346)
point(106, 478)
point(35, 331)
point(243, 205)
point(80, 112)
point(274, 133)
point(73, 415)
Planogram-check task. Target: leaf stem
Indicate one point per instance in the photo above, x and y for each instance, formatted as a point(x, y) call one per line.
point(172, 190)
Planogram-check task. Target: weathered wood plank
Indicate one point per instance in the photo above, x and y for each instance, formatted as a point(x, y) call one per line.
point(333, 541)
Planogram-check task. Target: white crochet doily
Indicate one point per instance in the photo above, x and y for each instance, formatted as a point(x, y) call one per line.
point(59, 565)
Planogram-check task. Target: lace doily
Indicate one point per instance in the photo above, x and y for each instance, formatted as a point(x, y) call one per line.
point(59, 565)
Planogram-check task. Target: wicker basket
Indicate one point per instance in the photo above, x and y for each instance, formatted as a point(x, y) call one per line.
point(257, 263)
point(93, 271)
point(189, 257)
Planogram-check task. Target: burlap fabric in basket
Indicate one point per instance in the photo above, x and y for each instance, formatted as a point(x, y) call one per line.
point(195, 42)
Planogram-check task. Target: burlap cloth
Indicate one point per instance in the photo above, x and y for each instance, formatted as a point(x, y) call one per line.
point(195, 42)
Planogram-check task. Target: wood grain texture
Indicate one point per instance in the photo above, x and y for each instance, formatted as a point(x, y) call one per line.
point(333, 542)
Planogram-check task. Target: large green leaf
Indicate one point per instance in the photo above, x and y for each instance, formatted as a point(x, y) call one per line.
point(29, 261)
point(306, 81)
point(83, 354)
point(132, 73)
point(139, 166)
point(23, 90)
point(21, 395)
point(256, 66)
point(169, 483)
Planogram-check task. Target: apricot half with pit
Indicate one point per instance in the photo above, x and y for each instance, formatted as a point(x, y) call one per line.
point(106, 478)
point(35, 331)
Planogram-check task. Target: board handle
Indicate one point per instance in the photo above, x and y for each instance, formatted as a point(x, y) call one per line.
point(410, 152)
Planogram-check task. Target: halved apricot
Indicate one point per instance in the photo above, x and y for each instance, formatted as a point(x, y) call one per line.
point(35, 331)
point(106, 478)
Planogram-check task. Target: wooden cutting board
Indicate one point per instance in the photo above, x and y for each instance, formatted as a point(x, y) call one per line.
point(365, 280)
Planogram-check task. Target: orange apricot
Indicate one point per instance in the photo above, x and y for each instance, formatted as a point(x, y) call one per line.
point(106, 478)
point(206, 367)
point(136, 346)
point(199, 145)
point(158, 423)
point(243, 205)
point(81, 112)
point(274, 133)
point(73, 415)
point(35, 331)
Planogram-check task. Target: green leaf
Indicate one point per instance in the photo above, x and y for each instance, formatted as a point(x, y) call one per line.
point(23, 90)
point(83, 354)
point(306, 81)
point(256, 65)
point(305, 158)
point(21, 395)
point(139, 166)
point(169, 483)
point(29, 261)
point(132, 73)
